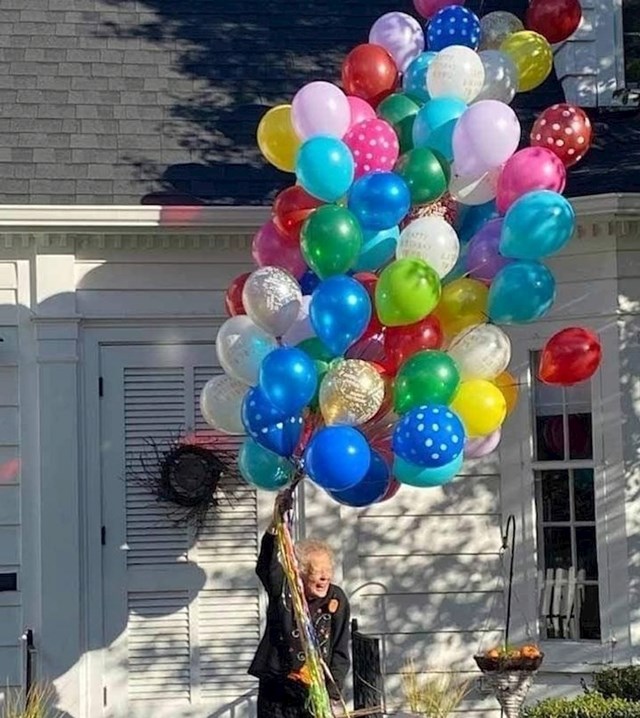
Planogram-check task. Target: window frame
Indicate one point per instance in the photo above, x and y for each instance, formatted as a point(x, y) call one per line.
point(518, 489)
point(624, 93)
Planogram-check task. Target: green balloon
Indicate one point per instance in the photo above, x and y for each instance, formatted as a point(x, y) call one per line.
point(426, 172)
point(400, 111)
point(408, 290)
point(331, 240)
point(428, 377)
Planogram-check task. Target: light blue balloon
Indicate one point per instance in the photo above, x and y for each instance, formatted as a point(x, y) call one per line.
point(435, 122)
point(422, 477)
point(472, 219)
point(325, 168)
point(521, 292)
point(537, 225)
point(378, 249)
point(262, 468)
point(414, 81)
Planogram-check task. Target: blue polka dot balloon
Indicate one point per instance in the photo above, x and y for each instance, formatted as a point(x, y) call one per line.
point(268, 426)
point(430, 436)
point(453, 25)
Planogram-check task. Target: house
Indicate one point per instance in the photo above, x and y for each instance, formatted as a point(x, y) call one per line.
point(130, 188)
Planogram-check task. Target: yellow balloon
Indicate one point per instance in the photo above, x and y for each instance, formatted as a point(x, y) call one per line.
point(351, 392)
point(463, 303)
point(481, 406)
point(277, 139)
point(508, 386)
point(532, 56)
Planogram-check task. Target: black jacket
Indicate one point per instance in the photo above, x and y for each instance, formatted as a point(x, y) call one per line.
point(279, 652)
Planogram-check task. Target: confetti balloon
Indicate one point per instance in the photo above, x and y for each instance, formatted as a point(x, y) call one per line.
point(272, 299)
point(351, 393)
point(430, 435)
point(496, 27)
point(482, 351)
point(374, 146)
point(565, 130)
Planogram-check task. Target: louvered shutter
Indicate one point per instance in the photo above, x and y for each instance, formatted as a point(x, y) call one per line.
point(182, 616)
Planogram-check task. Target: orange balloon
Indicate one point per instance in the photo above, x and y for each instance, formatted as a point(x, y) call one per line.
point(508, 386)
point(463, 303)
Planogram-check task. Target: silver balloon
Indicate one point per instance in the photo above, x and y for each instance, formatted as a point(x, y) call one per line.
point(495, 27)
point(272, 298)
point(482, 351)
point(472, 191)
point(221, 403)
point(241, 346)
point(500, 77)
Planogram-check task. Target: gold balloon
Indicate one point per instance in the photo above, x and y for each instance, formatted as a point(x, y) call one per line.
point(277, 139)
point(463, 303)
point(351, 392)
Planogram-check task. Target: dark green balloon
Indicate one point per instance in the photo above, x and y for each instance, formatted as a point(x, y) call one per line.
point(426, 172)
point(331, 240)
point(428, 377)
point(400, 111)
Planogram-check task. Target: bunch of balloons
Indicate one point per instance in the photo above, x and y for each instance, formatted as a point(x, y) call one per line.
point(368, 349)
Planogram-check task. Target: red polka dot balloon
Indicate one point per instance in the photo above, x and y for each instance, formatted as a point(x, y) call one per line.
point(374, 146)
point(565, 130)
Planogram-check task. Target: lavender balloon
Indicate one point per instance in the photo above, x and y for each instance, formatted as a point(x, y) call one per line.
point(320, 108)
point(483, 259)
point(401, 36)
point(482, 446)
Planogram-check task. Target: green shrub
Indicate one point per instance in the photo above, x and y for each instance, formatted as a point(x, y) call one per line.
point(591, 705)
point(618, 683)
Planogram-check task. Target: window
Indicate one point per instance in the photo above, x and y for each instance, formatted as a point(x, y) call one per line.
point(631, 34)
point(563, 467)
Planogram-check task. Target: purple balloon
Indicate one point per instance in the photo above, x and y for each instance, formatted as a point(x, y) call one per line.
point(320, 108)
point(486, 135)
point(482, 446)
point(483, 259)
point(401, 36)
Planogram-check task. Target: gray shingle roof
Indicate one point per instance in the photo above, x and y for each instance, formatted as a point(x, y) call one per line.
point(157, 101)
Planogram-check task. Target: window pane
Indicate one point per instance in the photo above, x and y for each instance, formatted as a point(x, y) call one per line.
point(557, 547)
point(578, 407)
point(587, 552)
point(549, 438)
point(554, 489)
point(584, 495)
point(588, 613)
point(631, 29)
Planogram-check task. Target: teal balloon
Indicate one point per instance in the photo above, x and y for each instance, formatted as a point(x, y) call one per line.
point(262, 468)
point(378, 249)
point(423, 477)
point(472, 219)
point(538, 224)
point(521, 292)
point(435, 122)
point(325, 168)
point(414, 81)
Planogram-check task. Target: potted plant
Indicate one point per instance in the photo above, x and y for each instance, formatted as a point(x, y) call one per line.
point(433, 695)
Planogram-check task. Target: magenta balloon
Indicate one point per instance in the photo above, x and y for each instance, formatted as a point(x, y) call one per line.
point(482, 446)
point(530, 169)
point(483, 259)
point(360, 110)
point(320, 108)
point(428, 8)
point(486, 135)
point(270, 248)
point(401, 36)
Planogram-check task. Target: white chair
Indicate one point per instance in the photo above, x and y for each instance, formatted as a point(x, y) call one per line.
point(561, 598)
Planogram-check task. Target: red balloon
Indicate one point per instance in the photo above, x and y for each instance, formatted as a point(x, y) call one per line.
point(556, 20)
point(370, 73)
point(402, 342)
point(570, 356)
point(233, 298)
point(565, 130)
point(291, 208)
point(394, 487)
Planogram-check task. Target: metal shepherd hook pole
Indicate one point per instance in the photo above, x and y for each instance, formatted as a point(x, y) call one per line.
point(509, 530)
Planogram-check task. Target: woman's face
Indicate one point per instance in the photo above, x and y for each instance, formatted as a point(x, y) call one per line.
point(318, 574)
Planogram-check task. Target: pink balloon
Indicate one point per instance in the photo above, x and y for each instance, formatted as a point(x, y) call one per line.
point(482, 446)
point(301, 329)
point(270, 248)
point(486, 135)
point(374, 146)
point(401, 36)
point(320, 108)
point(428, 8)
point(360, 110)
point(530, 169)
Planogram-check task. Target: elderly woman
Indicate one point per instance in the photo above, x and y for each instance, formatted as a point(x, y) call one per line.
point(279, 662)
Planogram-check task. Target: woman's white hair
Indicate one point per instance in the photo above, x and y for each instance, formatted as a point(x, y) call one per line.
point(309, 547)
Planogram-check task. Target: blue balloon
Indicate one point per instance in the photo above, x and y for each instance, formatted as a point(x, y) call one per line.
point(325, 168)
point(262, 468)
point(521, 292)
point(459, 269)
point(370, 489)
point(379, 200)
point(453, 25)
point(434, 124)
point(269, 427)
point(414, 81)
point(308, 282)
point(413, 475)
point(537, 225)
point(430, 436)
point(289, 379)
point(472, 219)
point(340, 311)
point(378, 249)
point(337, 458)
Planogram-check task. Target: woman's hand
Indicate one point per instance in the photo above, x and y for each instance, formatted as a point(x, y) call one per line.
point(284, 502)
point(336, 708)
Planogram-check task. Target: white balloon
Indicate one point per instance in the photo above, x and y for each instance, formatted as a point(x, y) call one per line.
point(474, 190)
point(495, 28)
point(433, 240)
point(241, 346)
point(500, 77)
point(272, 298)
point(301, 329)
point(456, 71)
point(482, 351)
point(221, 403)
